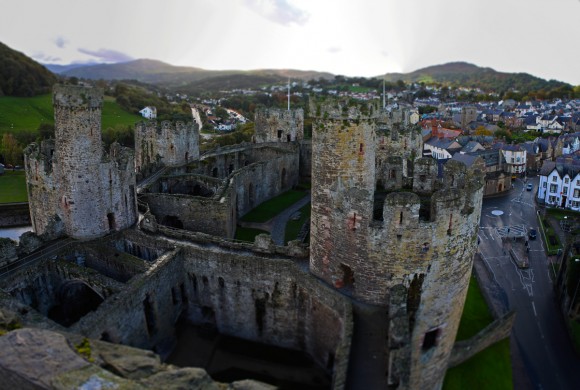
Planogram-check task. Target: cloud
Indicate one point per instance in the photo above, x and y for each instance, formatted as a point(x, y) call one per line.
point(107, 55)
point(60, 42)
point(334, 49)
point(45, 58)
point(385, 53)
point(278, 11)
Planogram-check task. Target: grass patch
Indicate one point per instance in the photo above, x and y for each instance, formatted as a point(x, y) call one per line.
point(476, 315)
point(270, 208)
point(489, 369)
point(248, 234)
point(293, 227)
point(551, 239)
point(13, 184)
point(575, 333)
point(27, 113)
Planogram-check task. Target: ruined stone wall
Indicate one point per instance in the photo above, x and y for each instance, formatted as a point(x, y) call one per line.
point(279, 125)
point(343, 183)
point(224, 161)
point(397, 137)
point(258, 182)
point(90, 191)
point(215, 215)
point(269, 301)
point(166, 143)
point(144, 313)
point(306, 158)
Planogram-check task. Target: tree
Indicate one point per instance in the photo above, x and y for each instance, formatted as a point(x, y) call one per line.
point(45, 131)
point(481, 130)
point(11, 149)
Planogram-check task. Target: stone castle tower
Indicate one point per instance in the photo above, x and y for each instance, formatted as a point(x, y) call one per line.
point(278, 125)
point(72, 180)
point(468, 115)
point(166, 143)
point(414, 257)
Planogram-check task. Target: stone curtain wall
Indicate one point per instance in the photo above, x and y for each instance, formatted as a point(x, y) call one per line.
point(269, 301)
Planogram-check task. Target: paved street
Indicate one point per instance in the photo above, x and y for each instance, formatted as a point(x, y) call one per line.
point(539, 331)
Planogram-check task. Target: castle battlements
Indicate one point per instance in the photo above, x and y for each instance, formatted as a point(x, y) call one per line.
point(344, 109)
point(73, 178)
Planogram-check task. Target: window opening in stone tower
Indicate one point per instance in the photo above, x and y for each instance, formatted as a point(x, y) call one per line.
point(347, 275)
point(288, 138)
point(361, 148)
point(280, 134)
point(430, 339)
point(283, 183)
point(392, 174)
point(111, 220)
point(450, 225)
point(230, 168)
point(401, 218)
point(214, 172)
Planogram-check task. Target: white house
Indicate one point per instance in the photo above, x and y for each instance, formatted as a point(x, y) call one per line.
point(560, 185)
point(441, 148)
point(149, 112)
point(515, 157)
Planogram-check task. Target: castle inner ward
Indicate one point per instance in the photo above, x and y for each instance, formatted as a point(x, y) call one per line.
point(390, 231)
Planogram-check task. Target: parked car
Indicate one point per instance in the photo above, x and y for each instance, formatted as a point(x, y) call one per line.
point(532, 234)
point(530, 187)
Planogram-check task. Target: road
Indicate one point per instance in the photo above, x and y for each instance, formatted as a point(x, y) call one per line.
point(539, 331)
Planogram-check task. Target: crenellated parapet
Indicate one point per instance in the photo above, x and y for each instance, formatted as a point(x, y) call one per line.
point(279, 125)
point(343, 109)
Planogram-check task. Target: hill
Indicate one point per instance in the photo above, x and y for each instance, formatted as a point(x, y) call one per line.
point(26, 114)
point(21, 75)
point(463, 74)
point(161, 73)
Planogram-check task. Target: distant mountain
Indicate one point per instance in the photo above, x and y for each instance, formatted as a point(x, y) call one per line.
point(21, 75)
point(161, 73)
point(58, 69)
point(469, 75)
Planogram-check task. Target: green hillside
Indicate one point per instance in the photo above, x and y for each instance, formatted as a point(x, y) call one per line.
point(21, 75)
point(462, 74)
point(18, 114)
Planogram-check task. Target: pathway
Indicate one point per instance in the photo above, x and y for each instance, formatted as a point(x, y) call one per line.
point(277, 225)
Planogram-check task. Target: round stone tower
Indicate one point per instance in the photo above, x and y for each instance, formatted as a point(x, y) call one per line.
point(343, 166)
point(414, 258)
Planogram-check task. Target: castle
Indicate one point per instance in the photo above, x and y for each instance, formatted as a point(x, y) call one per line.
point(388, 229)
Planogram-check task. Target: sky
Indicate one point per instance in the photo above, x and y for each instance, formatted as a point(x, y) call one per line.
point(347, 37)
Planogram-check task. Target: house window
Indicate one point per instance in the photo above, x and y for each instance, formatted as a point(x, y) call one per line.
point(554, 178)
point(566, 180)
point(565, 191)
point(576, 193)
point(553, 188)
point(544, 185)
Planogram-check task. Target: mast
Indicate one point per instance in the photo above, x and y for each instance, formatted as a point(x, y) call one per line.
point(288, 94)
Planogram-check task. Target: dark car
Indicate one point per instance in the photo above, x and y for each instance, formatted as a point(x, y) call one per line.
point(532, 234)
point(530, 187)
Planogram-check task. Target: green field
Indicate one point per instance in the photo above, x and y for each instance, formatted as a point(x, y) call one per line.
point(13, 187)
point(489, 369)
point(270, 208)
point(248, 234)
point(293, 227)
point(18, 114)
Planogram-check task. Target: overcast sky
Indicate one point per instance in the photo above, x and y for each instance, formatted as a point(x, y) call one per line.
point(348, 37)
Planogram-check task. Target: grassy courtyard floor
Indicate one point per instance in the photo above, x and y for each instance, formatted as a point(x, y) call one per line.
point(489, 369)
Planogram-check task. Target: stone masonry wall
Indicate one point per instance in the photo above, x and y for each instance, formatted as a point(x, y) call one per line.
point(90, 191)
point(269, 301)
point(279, 125)
point(165, 143)
point(343, 183)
